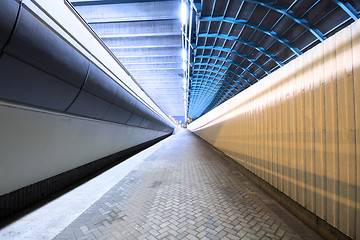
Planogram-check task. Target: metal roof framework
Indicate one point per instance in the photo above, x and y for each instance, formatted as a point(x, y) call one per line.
point(237, 43)
point(223, 47)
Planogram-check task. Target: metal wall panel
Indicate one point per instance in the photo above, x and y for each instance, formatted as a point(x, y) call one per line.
point(36, 144)
point(43, 65)
point(89, 105)
point(145, 123)
point(355, 40)
point(23, 83)
point(38, 45)
point(157, 126)
point(141, 110)
point(124, 100)
point(298, 129)
point(38, 67)
point(99, 84)
point(8, 13)
point(134, 120)
point(117, 114)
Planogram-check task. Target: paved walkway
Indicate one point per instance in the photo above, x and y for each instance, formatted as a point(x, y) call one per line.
point(185, 190)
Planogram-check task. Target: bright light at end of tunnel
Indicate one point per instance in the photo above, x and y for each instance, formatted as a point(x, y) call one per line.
point(183, 13)
point(184, 65)
point(183, 54)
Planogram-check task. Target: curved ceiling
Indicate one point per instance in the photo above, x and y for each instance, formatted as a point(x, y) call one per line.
point(237, 43)
point(230, 44)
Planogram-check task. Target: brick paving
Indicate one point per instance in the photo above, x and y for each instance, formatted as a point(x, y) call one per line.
point(185, 190)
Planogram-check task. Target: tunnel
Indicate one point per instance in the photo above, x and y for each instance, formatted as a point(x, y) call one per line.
point(179, 119)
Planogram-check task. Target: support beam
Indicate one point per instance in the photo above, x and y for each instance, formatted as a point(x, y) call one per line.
point(245, 42)
point(237, 54)
point(348, 8)
point(226, 68)
point(220, 73)
point(232, 62)
point(290, 14)
point(255, 27)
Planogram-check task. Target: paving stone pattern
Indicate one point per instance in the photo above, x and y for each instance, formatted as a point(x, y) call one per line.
point(183, 191)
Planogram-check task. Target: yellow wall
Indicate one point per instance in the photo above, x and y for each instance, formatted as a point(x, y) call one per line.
point(299, 129)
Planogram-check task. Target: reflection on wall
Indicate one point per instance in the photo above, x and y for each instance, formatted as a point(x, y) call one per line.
point(299, 130)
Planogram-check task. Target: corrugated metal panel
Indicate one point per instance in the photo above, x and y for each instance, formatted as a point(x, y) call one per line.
point(356, 74)
point(299, 130)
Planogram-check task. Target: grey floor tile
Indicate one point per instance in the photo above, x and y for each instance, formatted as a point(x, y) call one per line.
point(183, 190)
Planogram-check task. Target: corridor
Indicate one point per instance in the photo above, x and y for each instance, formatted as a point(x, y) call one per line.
point(183, 189)
point(163, 119)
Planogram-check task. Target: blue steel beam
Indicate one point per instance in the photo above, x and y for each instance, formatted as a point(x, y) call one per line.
point(197, 76)
point(202, 102)
point(199, 81)
point(194, 106)
point(223, 99)
point(212, 12)
point(197, 110)
point(212, 97)
point(198, 94)
point(271, 28)
point(216, 72)
point(209, 97)
point(232, 62)
point(218, 78)
point(237, 54)
point(192, 100)
point(290, 14)
point(218, 32)
point(232, 90)
point(203, 94)
point(271, 33)
point(209, 86)
point(245, 42)
point(205, 83)
point(348, 8)
point(207, 94)
point(220, 73)
point(201, 88)
point(208, 109)
point(227, 69)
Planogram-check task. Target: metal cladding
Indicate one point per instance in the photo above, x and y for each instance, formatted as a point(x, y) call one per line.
point(241, 42)
point(8, 15)
point(39, 67)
